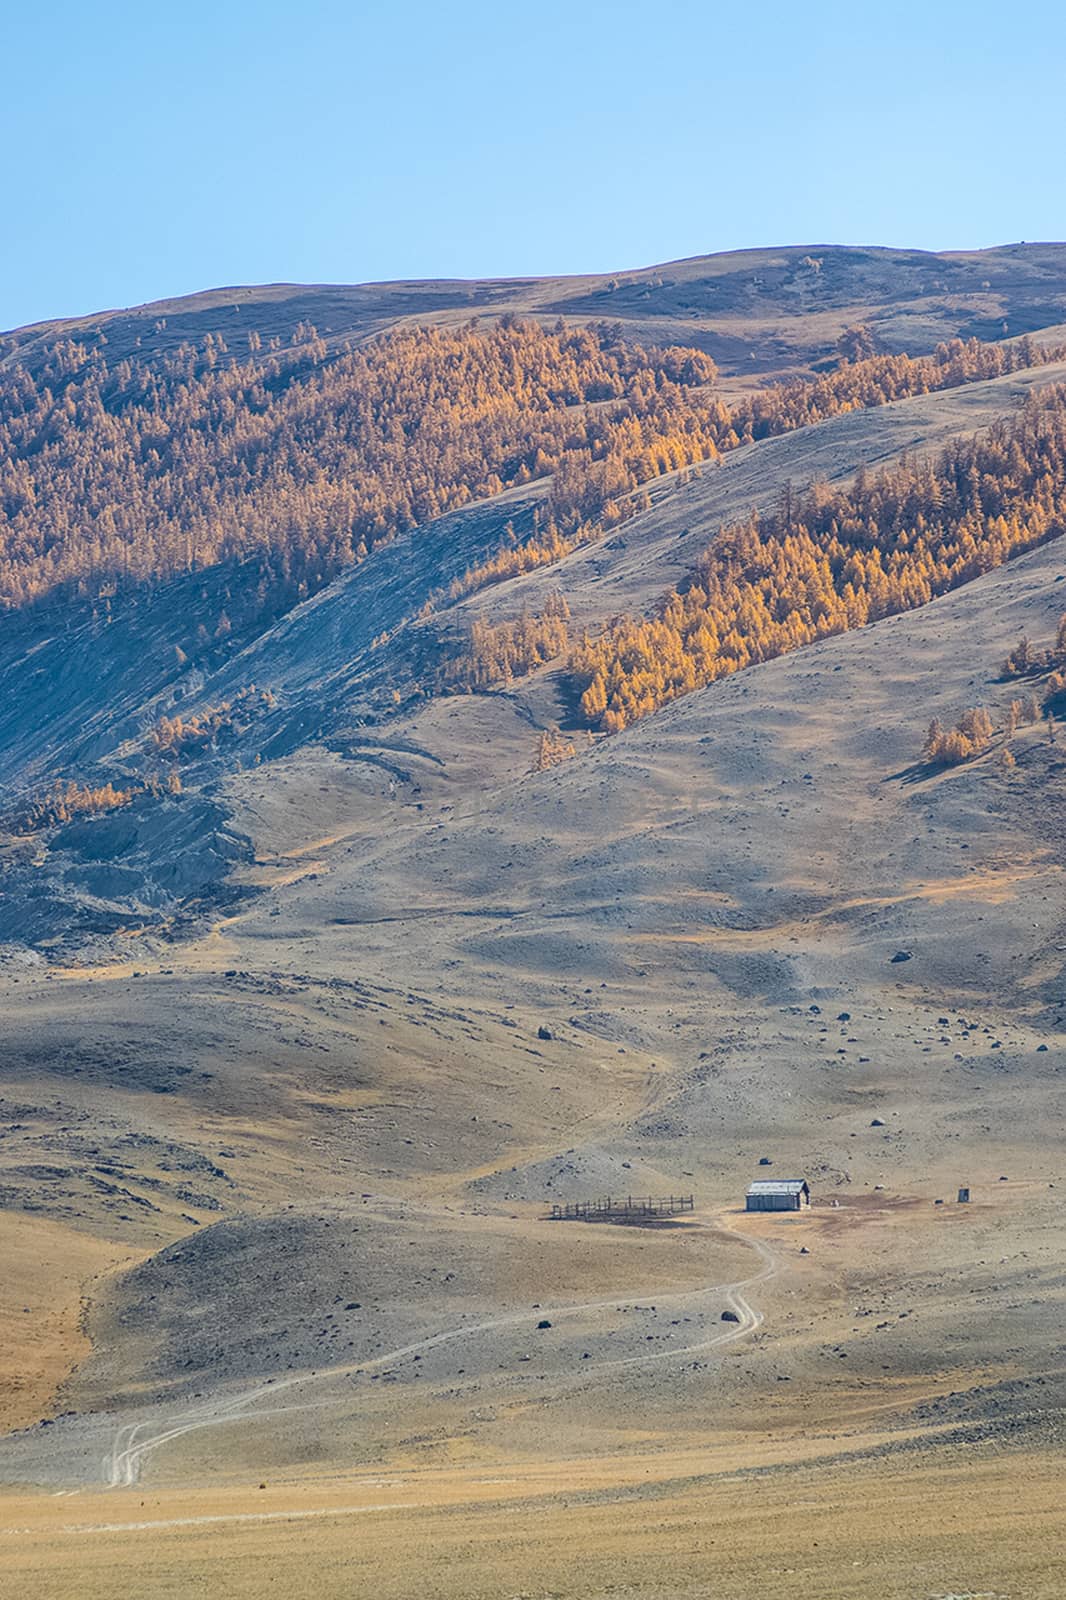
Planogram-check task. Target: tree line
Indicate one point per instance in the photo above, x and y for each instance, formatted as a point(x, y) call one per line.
point(66, 799)
point(498, 652)
point(118, 477)
point(833, 559)
point(299, 461)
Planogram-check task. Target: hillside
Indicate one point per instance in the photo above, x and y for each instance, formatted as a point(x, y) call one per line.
point(756, 312)
point(323, 973)
point(86, 693)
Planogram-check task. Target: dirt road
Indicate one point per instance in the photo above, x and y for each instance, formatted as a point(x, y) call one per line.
point(133, 1445)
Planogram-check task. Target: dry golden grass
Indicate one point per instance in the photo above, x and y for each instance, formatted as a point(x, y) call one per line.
point(884, 1530)
point(46, 1269)
point(693, 910)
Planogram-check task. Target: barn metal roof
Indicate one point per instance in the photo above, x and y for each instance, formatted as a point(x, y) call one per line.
point(777, 1186)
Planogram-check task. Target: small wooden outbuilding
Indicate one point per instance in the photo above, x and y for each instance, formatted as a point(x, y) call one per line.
point(778, 1194)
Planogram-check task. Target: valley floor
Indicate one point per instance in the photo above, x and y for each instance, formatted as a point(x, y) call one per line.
point(943, 1522)
point(864, 1421)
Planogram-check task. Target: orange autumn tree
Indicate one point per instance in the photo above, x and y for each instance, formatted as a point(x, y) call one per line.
point(832, 560)
point(299, 459)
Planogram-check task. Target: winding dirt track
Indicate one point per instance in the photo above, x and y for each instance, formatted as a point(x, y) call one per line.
point(133, 1445)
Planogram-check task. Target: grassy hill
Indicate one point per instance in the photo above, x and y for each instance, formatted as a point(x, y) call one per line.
point(297, 1054)
point(756, 312)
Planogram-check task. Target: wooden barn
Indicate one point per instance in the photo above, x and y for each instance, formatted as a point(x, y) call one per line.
point(778, 1194)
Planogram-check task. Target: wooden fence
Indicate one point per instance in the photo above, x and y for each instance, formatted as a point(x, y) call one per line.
point(631, 1208)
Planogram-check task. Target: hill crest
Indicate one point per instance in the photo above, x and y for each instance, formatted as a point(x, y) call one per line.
point(742, 307)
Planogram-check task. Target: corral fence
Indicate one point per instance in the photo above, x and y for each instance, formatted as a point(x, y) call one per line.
point(627, 1208)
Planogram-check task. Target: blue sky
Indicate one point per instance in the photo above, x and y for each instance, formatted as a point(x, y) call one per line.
point(155, 149)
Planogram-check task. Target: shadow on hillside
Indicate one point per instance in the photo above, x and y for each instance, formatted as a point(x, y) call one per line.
point(917, 772)
point(655, 1224)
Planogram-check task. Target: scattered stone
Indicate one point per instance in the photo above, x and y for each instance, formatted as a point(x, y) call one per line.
point(544, 1033)
point(844, 1016)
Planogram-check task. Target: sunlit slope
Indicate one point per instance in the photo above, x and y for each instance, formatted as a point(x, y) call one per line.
point(768, 843)
point(380, 977)
point(755, 311)
point(708, 914)
point(350, 647)
point(639, 562)
point(81, 701)
point(773, 839)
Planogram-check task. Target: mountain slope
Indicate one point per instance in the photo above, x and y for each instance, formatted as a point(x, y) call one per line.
point(686, 910)
point(82, 697)
point(297, 1055)
point(317, 657)
point(756, 312)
